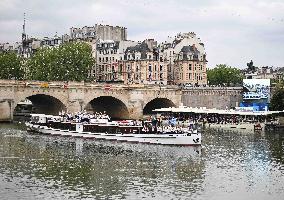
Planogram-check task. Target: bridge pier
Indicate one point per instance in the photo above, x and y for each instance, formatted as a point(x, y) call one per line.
point(135, 109)
point(75, 106)
point(6, 110)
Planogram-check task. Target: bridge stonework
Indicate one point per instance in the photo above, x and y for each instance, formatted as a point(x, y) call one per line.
point(76, 95)
point(212, 97)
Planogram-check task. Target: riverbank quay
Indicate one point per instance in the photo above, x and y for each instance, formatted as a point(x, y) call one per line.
point(227, 119)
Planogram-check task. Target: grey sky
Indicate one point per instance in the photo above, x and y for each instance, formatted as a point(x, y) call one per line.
point(234, 32)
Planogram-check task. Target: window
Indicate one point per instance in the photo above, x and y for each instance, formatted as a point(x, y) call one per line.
point(161, 67)
point(106, 59)
point(150, 57)
point(190, 67)
point(150, 68)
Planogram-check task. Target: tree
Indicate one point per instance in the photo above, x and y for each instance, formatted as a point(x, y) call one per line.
point(11, 66)
point(69, 62)
point(277, 100)
point(224, 75)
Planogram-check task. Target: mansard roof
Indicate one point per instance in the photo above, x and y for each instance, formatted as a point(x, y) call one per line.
point(142, 48)
point(190, 49)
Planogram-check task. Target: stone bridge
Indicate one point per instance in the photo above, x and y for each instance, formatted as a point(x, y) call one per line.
point(119, 101)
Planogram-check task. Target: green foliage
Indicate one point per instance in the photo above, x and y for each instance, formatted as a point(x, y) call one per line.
point(277, 100)
point(69, 62)
point(224, 75)
point(11, 66)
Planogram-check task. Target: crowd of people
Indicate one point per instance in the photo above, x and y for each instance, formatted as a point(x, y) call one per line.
point(83, 116)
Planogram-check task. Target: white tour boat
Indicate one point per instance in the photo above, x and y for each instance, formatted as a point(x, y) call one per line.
point(122, 131)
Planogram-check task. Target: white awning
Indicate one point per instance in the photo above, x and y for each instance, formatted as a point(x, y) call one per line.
point(204, 110)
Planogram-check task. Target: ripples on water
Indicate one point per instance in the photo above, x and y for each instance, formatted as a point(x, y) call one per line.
point(230, 165)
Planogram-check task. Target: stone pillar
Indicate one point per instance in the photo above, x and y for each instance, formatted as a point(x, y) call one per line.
point(6, 110)
point(75, 106)
point(135, 109)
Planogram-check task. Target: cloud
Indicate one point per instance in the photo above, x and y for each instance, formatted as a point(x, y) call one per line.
point(233, 31)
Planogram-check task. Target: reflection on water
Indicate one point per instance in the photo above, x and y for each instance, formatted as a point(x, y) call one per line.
point(230, 165)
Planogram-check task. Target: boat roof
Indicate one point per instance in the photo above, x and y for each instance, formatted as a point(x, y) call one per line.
point(44, 115)
point(37, 115)
point(204, 110)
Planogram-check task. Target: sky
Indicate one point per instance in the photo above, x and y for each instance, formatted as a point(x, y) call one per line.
point(234, 32)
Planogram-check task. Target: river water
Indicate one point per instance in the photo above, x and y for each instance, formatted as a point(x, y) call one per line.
point(229, 165)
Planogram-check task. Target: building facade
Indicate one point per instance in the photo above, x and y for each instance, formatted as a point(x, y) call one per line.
point(143, 64)
point(108, 53)
point(185, 58)
point(190, 67)
point(103, 32)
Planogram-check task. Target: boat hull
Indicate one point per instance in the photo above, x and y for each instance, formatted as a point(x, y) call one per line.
point(244, 126)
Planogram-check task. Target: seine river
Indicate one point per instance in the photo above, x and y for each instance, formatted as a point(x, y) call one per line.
point(230, 165)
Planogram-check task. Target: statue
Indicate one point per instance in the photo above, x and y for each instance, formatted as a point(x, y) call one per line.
point(250, 66)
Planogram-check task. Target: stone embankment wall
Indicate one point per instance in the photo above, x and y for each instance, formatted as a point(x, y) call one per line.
point(209, 97)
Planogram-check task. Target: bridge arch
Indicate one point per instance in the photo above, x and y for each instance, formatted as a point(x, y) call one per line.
point(157, 103)
point(113, 106)
point(41, 103)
